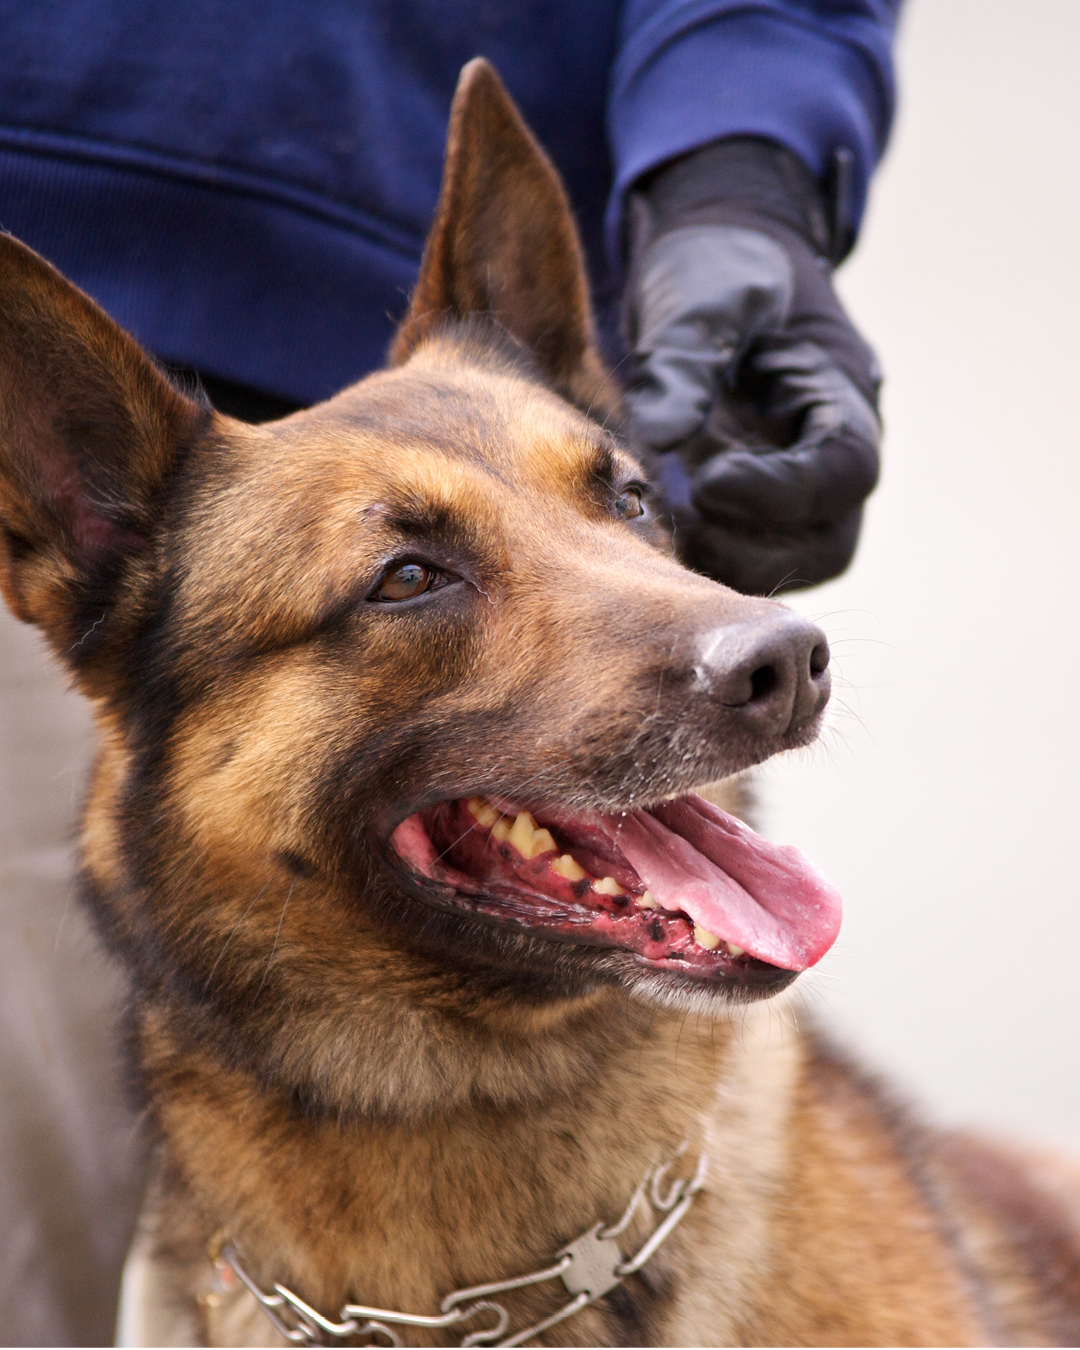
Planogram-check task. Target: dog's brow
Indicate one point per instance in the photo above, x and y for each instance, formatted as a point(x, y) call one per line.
point(604, 466)
point(429, 520)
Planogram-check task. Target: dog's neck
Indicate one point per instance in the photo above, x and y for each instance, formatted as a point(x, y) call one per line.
point(399, 1213)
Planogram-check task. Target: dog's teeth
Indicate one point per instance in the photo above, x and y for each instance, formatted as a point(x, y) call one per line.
point(568, 868)
point(483, 811)
point(705, 939)
point(608, 886)
point(522, 832)
point(501, 829)
point(647, 900)
point(736, 951)
point(542, 842)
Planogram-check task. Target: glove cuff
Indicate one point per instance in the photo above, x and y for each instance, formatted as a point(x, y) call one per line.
point(757, 178)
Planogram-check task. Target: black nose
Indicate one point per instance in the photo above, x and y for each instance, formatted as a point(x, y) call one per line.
point(772, 672)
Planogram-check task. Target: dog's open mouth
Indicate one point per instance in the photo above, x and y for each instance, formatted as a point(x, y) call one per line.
point(683, 885)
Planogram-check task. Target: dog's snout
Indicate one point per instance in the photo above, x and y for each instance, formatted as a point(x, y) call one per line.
point(772, 672)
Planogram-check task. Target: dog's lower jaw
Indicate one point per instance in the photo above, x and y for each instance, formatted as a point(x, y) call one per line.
point(525, 971)
point(449, 1041)
point(664, 990)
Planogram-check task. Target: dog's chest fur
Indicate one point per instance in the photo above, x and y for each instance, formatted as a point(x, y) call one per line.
point(803, 1167)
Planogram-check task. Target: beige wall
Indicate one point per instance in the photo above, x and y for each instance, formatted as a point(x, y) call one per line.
point(944, 801)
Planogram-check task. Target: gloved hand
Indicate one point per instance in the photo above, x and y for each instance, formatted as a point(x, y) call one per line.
point(753, 398)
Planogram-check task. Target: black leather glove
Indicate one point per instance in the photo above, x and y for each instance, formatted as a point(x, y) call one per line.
point(753, 399)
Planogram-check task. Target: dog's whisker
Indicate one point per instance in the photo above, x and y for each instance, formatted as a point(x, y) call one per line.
point(609, 379)
point(861, 639)
point(232, 934)
point(277, 935)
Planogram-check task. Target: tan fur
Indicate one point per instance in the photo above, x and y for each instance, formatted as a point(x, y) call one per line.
point(787, 1246)
point(375, 1099)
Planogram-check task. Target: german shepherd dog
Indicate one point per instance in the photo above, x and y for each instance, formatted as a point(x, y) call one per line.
point(443, 976)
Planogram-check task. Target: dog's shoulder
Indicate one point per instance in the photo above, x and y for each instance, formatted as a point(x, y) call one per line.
point(1017, 1217)
point(917, 1224)
point(859, 1251)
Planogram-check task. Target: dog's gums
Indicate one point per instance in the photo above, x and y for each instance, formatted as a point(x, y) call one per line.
point(684, 886)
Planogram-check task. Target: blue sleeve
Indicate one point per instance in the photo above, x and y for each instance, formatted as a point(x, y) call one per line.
point(815, 75)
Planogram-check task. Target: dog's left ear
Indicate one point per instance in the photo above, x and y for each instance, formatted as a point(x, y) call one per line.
point(504, 244)
point(89, 432)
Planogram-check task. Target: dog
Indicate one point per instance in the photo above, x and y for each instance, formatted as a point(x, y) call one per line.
point(450, 1004)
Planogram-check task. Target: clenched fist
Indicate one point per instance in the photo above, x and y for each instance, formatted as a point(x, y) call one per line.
point(753, 397)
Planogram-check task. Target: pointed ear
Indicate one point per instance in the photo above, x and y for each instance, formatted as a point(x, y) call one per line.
point(504, 243)
point(89, 431)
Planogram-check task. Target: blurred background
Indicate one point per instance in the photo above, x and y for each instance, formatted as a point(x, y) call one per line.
point(943, 798)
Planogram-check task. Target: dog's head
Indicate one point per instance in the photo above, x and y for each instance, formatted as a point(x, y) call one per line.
point(402, 699)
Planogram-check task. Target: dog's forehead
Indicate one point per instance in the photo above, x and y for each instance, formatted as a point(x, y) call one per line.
point(306, 507)
point(438, 432)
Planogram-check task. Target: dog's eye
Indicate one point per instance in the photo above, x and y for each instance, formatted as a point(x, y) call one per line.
point(629, 505)
point(406, 581)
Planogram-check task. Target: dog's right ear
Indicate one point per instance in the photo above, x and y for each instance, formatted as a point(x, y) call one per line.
point(504, 244)
point(89, 431)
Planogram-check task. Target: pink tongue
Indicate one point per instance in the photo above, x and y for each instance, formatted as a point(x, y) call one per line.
point(766, 898)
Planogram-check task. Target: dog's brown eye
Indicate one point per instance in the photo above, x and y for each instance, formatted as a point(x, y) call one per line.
point(630, 505)
point(406, 581)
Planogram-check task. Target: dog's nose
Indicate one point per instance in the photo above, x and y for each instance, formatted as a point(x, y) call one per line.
point(772, 672)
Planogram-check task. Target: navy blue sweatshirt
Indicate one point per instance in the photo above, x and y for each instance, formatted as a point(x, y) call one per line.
point(246, 186)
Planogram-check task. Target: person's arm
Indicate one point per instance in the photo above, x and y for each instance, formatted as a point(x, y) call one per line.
point(745, 363)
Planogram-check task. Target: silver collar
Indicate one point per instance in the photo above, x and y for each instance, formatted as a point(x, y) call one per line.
point(589, 1267)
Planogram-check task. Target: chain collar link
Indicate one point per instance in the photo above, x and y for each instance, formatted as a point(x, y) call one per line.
point(589, 1267)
